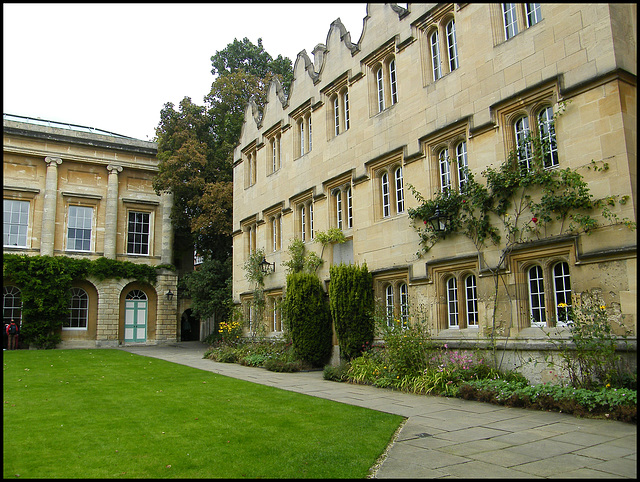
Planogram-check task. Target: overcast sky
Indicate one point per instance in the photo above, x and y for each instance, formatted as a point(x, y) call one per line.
point(114, 66)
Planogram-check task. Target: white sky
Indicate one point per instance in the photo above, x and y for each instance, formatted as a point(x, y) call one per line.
point(114, 66)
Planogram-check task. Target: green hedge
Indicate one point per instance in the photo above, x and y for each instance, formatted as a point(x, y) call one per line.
point(351, 302)
point(308, 318)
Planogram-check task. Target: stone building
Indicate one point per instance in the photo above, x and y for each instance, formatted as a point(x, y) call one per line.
point(433, 82)
point(85, 193)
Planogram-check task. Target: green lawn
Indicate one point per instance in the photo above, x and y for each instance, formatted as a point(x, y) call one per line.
point(105, 413)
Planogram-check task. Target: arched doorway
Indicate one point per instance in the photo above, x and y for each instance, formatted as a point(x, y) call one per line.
point(135, 317)
point(189, 326)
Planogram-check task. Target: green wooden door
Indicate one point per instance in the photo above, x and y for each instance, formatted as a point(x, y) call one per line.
point(135, 317)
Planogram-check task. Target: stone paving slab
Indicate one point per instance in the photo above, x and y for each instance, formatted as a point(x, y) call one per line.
point(454, 438)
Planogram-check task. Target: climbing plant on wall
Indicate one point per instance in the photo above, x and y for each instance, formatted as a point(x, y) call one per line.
point(519, 203)
point(45, 281)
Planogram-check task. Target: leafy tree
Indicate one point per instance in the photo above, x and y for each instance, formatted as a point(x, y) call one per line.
point(195, 145)
point(209, 288)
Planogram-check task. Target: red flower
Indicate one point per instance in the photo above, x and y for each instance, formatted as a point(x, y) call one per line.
point(535, 220)
point(464, 201)
point(425, 222)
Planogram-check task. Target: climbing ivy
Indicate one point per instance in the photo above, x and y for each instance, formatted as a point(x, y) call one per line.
point(45, 281)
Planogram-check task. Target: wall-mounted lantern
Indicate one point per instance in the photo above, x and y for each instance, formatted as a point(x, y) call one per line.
point(266, 267)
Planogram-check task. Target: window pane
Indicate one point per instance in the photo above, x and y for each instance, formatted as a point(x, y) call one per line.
point(452, 47)
point(546, 126)
point(349, 209)
point(138, 234)
point(445, 175)
point(404, 305)
point(386, 204)
point(523, 143)
point(346, 110)
point(562, 288)
point(78, 309)
point(79, 228)
point(380, 90)
point(389, 304)
point(472, 300)
point(339, 208)
point(536, 297)
point(15, 223)
point(452, 302)
point(11, 305)
point(394, 86)
point(534, 15)
point(435, 56)
point(336, 116)
point(461, 158)
point(510, 20)
point(399, 191)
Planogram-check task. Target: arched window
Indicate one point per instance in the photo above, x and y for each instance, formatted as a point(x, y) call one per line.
point(445, 175)
point(452, 47)
point(393, 83)
point(463, 164)
point(435, 55)
point(404, 305)
point(536, 296)
point(386, 203)
point(78, 310)
point(389, 304)
point(452, 302)
point(471, 296)
point(380, 86)
point(11, 305)
point(349, 208)
point(523, 143)
point(345, 99)
point(562, 292)
point(399, 190)
point(339, 208)
point(510, 20)
point(547, 131)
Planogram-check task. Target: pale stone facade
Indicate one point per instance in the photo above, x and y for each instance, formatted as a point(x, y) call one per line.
point(363, 120)
point(89, 194)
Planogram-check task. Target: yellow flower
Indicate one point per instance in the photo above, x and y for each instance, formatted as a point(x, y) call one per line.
point(562, 305)
point(602, 307)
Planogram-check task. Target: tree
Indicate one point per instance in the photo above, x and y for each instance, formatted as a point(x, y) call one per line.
point(209, 288)
point(195, 145)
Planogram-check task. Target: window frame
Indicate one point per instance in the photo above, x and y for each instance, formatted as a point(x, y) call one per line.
point(81, 312)
point(91, 240)
point(129, 243)
point(8, 222)
point(452, 45)
point(13, 310)
point(510, 25)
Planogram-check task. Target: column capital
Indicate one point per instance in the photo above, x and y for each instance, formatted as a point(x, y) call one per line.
point(114, 168)
point(52, 161)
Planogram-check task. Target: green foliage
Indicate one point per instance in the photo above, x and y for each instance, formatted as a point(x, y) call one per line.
point(45, 281)
point(591, 356)
point(351, 302)
point(195, 144)
point(406, 348)
point(308, 318)
point(209, 288)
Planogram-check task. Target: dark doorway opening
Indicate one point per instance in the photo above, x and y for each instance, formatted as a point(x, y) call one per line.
point(190, 327)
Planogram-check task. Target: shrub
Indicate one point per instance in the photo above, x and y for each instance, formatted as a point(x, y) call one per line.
point(308, 318)
point(406, 348)
point(337, 373)
point(351, 302)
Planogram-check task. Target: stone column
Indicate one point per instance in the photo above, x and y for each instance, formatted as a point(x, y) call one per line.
point(167, 230)
point(111, 215)
point(50, 200)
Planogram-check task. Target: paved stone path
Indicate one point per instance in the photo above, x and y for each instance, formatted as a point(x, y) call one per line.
point(454, 438)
